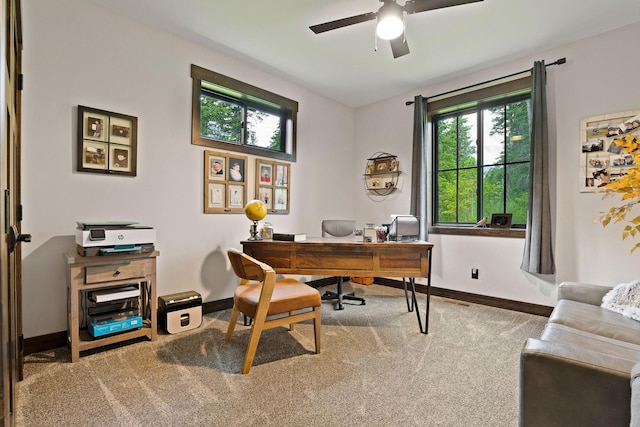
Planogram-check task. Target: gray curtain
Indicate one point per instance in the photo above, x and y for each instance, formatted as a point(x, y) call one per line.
point(538, 253)
point(419, 166)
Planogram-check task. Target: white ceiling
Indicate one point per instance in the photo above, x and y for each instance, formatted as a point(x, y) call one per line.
point(274, 35)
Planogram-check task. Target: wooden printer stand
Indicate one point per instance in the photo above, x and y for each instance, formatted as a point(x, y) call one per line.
point(87, 274)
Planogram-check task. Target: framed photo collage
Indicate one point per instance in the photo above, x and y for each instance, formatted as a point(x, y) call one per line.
point(602, 158)
point(107, 142)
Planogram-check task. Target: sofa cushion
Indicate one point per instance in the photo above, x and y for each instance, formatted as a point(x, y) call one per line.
point(596, 320)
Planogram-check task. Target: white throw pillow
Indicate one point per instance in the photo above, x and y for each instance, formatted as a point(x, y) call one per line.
point(624, 299)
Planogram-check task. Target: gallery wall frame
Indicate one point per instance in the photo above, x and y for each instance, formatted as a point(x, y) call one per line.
point(107, 142)
point(602, 160)
point(273, 180)
point(225, 182)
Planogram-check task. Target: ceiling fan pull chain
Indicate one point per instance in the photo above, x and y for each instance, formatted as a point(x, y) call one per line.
point(375, 42)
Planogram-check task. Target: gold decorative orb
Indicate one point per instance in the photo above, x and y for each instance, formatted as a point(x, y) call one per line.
point(255, 210)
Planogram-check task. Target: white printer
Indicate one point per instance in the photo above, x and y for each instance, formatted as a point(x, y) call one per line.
point(404, 228)
point(114, 237)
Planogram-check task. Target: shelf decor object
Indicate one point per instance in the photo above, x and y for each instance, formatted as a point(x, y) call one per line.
point(381, 174)
point(107, 142)
point(255, 210)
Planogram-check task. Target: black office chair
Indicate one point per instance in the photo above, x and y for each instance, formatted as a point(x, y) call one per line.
point(339, 228)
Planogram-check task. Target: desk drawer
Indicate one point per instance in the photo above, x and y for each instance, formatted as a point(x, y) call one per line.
point(117, 271)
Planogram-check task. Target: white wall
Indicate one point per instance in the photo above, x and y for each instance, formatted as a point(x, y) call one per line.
point(77, 53)
point(588, 84)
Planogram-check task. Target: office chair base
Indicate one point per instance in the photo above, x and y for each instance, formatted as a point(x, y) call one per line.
point(328, 296)
point(340, 296)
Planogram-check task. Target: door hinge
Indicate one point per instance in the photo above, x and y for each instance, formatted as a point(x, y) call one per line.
point(19, 81)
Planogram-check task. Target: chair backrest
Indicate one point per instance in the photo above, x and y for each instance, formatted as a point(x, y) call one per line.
point(338, 227)
point(246, 267)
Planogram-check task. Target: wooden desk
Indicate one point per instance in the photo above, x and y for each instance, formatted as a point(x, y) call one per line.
point(350, 257)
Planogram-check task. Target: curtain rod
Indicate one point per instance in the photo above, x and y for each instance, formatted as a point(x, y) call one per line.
point(557, 62)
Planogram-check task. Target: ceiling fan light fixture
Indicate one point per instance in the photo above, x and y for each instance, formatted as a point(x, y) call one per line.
point(390, 22)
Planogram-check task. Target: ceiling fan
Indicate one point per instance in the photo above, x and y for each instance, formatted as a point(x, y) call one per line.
point(391, 20)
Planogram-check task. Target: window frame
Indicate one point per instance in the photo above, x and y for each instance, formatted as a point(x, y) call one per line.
point(248, 96)
point(460, 103)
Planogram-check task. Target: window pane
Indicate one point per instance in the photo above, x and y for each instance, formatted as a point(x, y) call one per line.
point(221, 120)
point(518, 141)
point(468, 140)
point(518, 192)
point(446, 197)
point(468, 196)
point(493, 136)
point(447, 143)
point(263, 129)
point(493, 190)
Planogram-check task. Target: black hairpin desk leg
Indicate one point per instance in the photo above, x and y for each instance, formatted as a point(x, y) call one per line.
point(414, 302)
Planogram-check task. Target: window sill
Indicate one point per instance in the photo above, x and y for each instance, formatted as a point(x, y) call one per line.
point(518, 233)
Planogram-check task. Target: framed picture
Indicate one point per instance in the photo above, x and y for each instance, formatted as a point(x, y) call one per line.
point(236, 169)
point(282, 175)
point(602, 158)
point(217, 167)
point(120, 132)
point(381, 165)
point(236, 196)
point(272, 185)
point(265, 173)
point(119, 158)
point(94, 155)
point(216, 196)
point(281, 199)
point(501, 220)
point(106, 142)
point(265, 194)
point(224, 183)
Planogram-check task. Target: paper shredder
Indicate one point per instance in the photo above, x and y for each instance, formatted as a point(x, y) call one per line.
point(180, 312)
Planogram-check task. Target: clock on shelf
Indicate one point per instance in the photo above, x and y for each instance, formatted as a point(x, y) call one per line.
point(381, 174)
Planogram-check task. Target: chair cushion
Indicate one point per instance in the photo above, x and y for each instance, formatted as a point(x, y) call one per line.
point(596, 320)
point(288, 295)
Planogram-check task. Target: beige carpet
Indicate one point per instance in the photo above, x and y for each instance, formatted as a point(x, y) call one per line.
point(375, 369)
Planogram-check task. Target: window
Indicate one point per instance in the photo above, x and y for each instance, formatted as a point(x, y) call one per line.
point(481, 160)
point(232, 115)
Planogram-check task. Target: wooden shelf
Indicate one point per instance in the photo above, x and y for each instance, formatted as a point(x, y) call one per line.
point(381, 174)
point(85, 274)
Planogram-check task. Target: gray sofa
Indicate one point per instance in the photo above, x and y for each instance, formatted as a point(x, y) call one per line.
point(579, 372)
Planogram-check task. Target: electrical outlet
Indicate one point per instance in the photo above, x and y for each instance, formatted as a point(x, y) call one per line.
point(474, 273)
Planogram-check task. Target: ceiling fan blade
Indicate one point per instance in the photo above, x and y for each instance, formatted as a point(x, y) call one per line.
point(334, 25)
point(399, 46)
point(415, 6)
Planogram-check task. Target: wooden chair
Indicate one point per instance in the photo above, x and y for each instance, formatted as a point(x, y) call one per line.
point(260, 296)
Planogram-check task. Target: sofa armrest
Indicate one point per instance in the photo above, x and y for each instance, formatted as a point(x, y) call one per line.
point(635, 396)
point(561, 385)
point(582, 292)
